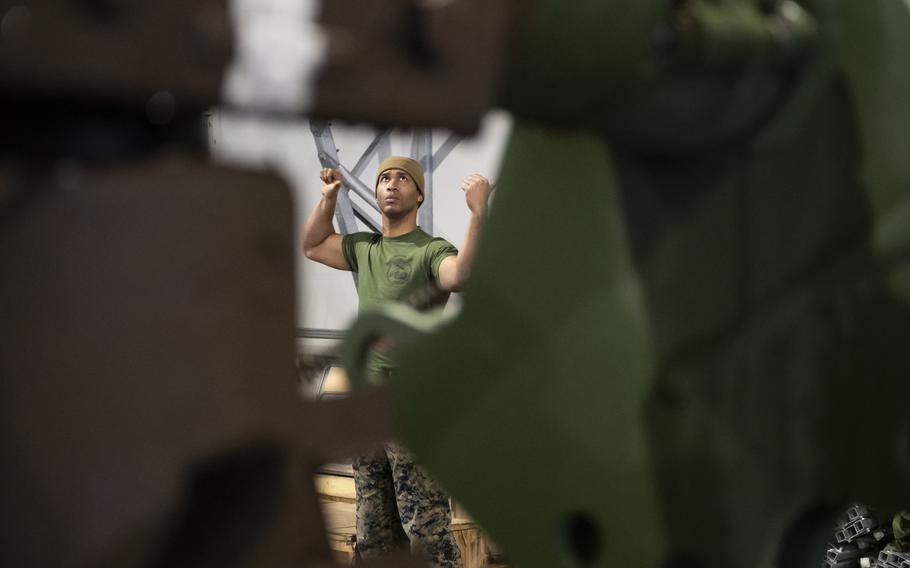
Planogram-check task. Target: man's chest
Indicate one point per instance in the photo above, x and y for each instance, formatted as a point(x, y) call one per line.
point(390, 271)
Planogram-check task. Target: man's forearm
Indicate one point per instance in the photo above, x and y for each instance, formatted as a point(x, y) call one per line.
point(466, 254)
point(455, 271)
point(319, 225)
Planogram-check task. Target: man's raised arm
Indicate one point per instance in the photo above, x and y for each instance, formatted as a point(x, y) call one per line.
point(455, 270)
point(320, 241)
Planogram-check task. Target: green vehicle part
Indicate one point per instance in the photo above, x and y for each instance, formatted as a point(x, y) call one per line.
point(685, 339)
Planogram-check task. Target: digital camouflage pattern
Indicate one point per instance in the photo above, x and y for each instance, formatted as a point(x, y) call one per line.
point(398, 504)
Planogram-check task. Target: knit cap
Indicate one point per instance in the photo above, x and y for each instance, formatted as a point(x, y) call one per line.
point(401, 163)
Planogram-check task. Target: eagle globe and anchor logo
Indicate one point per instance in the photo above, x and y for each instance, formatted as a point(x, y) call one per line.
point(399, 270)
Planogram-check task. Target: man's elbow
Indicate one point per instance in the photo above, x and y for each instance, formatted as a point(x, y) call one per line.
point(457, 283)
point(312, 247)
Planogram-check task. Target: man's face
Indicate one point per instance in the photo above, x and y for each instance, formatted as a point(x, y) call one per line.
point(396, 193)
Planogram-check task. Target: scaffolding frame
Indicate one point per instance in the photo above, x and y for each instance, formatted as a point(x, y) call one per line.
point(348, 211)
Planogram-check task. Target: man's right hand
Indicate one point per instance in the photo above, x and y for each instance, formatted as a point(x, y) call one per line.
point(320, 241)
point(332, 180)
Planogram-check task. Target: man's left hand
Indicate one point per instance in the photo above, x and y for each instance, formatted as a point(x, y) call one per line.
point(477, 191)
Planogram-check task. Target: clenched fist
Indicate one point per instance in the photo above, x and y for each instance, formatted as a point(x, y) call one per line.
point(477, 191)
point(332, 180)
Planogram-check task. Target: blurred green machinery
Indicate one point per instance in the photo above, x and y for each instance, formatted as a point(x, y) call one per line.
point(686, 341)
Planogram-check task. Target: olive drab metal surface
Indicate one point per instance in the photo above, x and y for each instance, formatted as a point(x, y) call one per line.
point(544, 375)
point(737, 201)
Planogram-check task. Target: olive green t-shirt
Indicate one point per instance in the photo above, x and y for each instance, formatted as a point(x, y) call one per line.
point(388, 267)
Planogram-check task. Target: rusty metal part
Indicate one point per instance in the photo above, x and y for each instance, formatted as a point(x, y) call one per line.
point(120, 50)
point(414, 62)
point(149, 415)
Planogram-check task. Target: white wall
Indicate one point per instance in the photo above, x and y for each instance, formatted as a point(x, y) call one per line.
point(326, 297)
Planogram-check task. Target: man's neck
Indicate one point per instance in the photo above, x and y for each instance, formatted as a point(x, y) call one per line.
point(398, 227)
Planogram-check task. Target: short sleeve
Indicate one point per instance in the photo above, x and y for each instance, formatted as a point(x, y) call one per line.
point(437, 251)
point(349, 245)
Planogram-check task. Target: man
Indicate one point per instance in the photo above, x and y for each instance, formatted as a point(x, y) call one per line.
point(396, 501)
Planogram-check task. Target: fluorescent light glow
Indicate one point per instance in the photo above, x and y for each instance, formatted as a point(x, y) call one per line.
point(279, 48)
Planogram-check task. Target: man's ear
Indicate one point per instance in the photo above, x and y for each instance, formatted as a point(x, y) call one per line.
point(419, 198)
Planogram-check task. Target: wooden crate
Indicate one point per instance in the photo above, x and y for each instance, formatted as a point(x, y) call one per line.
point(339, 519)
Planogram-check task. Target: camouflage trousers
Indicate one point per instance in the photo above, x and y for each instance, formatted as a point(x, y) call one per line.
point(399, 504)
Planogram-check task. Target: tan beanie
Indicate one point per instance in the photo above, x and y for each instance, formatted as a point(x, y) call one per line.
point(401, 163)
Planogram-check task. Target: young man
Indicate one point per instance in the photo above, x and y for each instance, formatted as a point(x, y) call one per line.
point(396, 501)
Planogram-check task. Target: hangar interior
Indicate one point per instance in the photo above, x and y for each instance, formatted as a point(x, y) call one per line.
point(684, 337)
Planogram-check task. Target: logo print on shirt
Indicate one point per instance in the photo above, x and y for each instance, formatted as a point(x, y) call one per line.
point(399, 270)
